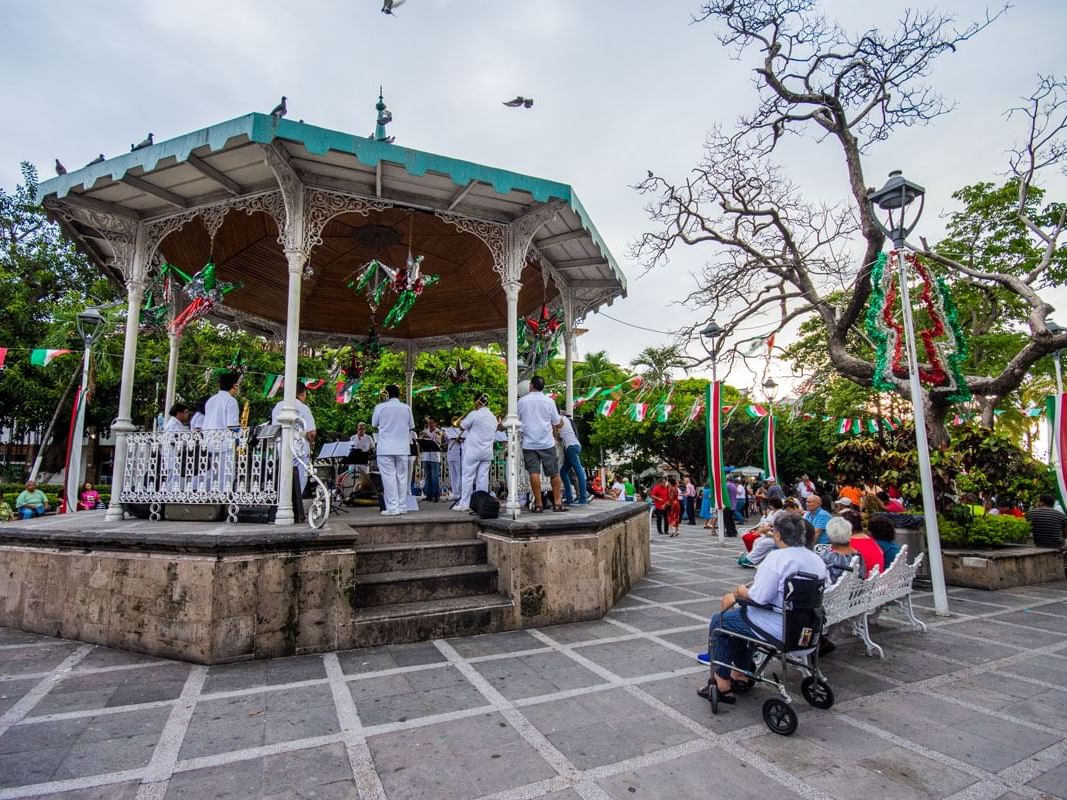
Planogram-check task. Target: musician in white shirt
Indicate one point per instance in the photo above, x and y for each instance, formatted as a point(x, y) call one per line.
point(454, 445)
point(363, 442)
point(394, 422)
point(304, 444)
point(479, 432)
point(221, 413)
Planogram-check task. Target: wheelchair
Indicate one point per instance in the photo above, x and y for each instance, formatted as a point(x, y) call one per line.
point(802, 625)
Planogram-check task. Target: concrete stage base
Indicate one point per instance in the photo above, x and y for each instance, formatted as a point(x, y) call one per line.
point(214, 593)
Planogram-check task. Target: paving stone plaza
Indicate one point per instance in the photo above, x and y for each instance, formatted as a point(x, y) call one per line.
point(974, 709)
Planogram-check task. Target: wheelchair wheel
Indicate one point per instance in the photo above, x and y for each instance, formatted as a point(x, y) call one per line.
point(817, 693)
point(779, 716)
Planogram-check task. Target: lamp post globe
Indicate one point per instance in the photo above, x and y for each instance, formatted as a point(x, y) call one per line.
point(893, 198)
point(770, 389)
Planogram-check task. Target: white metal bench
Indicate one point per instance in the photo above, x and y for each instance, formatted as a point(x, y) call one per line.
point(855, 600)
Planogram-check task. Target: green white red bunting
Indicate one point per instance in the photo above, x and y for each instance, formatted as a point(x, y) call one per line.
point(770, 460)
point(638, 411)
point(607, 407)
point(42, 358)
point(713, 442)
point(1059, 444)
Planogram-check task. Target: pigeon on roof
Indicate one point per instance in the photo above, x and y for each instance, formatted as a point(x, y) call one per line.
point(519, 102)
point(60, 169)
point(279, 110)
point(389, 5)
point(147, 142)
point(98, 160)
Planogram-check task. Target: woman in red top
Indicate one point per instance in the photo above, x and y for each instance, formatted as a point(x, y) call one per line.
point(674, 508)
point(863, 544)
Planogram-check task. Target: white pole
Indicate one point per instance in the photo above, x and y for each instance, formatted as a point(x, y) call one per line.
point(124, 423)
point(511, 421)
point(74, 467)
point(288, 415)
point(720, 512)
point(172, 373)
point(933, 537)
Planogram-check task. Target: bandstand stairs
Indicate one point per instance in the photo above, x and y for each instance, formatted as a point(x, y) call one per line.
point(424, 580)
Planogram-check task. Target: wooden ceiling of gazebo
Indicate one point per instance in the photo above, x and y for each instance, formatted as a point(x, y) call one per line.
point(468, 297)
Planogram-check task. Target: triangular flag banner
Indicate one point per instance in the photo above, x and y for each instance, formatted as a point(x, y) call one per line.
point(607, 408)
point(857, 428)
point(872, 426)
point(756, 411)
point(889, 424)
point(694, 411)
point(272, 385)
point(3, 356)
point(713, 443)
point(589, 395)
point(313, 385)
point(638, 412)
point(770, 460)
point(663, 412)
point(844, 426)
point(1036, 411)
point(344, 391)
point(423, 390)
point(42, 358)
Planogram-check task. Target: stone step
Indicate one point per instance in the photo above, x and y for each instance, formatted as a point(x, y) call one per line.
point(415, 530)
point(403, 556)
point(412, 586)
point(432, 619)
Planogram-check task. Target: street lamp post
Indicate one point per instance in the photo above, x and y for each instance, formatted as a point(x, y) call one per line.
point(90, 323)
point(770, 393)
point(894, 198)
point(713, 332)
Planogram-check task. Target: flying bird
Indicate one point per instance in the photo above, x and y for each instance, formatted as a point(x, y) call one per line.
point(148, 142)
point(60, 169)
point(519, 102)
point(98, 160)
point(279, 110)
point(389, 5)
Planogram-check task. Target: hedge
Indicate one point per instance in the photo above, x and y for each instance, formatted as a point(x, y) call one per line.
point(984, 530)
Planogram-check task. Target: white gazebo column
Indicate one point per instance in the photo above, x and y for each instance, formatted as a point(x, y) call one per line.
point(409, 374)
point(172, 372)
point(123, 424)
point(568, 362)
point(511, 420)
point(296, 255)
point(288, 414)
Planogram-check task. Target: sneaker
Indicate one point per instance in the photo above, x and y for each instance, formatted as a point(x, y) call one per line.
point(461, 508)
point(704, 658)
point(390, 513)
point(744, 562)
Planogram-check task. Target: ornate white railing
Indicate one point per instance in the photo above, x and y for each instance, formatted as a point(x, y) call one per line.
point(219, 467)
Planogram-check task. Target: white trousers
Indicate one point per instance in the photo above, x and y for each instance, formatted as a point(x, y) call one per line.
point(395, 481)
point(455, 472)
point(475, 475)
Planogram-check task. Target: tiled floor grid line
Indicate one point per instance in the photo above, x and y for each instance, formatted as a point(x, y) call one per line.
point(975, 709)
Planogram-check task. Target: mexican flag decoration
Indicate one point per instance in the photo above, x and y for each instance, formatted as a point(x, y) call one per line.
point(42, 358)
point(663, 412)
point(273, 385)
point(1058, 452)
point(589, 395)
point(713, 441)
point(943, 344)
point(638, 411)
point(770, 461)
point(607, 408)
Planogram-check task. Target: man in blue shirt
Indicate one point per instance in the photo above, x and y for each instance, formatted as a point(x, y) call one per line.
point(817, 516)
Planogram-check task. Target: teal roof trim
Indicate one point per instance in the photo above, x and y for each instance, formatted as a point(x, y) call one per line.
point(261, 128)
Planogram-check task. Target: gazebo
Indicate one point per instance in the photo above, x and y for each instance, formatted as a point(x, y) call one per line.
point(292, 210)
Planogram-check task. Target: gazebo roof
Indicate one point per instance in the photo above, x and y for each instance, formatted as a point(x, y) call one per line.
point(410, 199)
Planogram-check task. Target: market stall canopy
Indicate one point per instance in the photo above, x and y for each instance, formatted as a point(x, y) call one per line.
point(365, 199)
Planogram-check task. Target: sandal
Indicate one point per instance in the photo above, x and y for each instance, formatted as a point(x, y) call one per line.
point(537, 509)
point(742, 687)
point(722, 697)
point(560, 508)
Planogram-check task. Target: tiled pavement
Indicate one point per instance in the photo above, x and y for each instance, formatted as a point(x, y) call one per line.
point(975, 709)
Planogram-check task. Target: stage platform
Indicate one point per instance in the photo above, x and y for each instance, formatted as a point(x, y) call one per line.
point(212, 592)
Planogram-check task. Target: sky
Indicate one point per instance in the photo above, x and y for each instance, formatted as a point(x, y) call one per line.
point(620, 87)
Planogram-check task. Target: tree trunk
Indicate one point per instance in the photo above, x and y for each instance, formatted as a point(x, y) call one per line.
point(936, 428)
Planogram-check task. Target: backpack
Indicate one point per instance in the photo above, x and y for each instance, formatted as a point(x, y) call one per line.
point(485, 505)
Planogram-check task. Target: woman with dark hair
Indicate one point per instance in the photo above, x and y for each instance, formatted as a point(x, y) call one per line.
point(674, 508)
point(881, 530)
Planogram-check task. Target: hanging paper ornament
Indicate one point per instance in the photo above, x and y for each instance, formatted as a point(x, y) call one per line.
point(408, 284)
point(539, 339)
point(364, 357)
point(944, 344)
point(374, 278)
point(153, 317)
point(458, 374)
point(205, 292)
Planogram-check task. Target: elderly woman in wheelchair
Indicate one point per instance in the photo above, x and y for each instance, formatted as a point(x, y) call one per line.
point(779, 616)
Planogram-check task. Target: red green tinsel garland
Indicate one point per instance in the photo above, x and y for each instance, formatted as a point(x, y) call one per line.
point(943, 341)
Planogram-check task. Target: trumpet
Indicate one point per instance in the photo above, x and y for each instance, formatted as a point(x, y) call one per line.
point(456, 420)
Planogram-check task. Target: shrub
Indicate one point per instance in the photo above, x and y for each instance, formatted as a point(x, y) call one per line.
point(985, 530)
